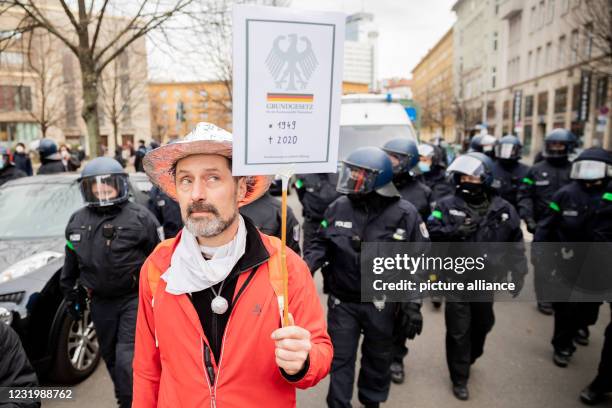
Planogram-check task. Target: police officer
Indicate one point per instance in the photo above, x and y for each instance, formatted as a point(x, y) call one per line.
point(508, 171)
point(50, 159)
point(432, 172)
point(266, 214)
point(8, 171)
point(576, 214)
point(404, 155)
point(315, 192)
point(483, 143)
point(370, 210)
point(537, 188)
point(166, 210)
point(475, 213)
point(107, 243)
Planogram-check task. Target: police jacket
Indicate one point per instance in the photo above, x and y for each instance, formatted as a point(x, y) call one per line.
point(414, 191)
point(316, 192)
point(22, 162)
point(15, 368)
point(106, 249)
point(265, 212)
point(538, 186)
point(576, 214)
point(347, 223)
point(10, 173)
point(51, 167)
point(508, 176)
point(166, 210)
point(500, 223)
point(436, 180)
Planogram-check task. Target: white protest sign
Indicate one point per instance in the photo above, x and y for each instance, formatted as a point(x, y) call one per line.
point(287, 86)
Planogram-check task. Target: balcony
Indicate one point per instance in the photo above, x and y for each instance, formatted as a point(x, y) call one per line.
point(510, 8)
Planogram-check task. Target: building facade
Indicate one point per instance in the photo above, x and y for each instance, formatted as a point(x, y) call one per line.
point(542, 69)
point(41, 93)
point(433, 91)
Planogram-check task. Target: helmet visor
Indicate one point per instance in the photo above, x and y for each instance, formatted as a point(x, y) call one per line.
point(555, 148)
point(400, 161)
point(355, 180)
point(507, 151)
point(590, 170)
point(468, 165)
point(104, 190)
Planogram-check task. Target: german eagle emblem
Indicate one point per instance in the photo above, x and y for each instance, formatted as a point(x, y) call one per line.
point(292, 67)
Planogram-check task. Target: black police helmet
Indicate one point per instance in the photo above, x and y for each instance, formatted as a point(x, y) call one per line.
point(104, 183)
point(509, 147)
point(406, 150)
point(558, 135)
point(472, 164)
point(47, 149)
point(365, 170)
point(594, 163)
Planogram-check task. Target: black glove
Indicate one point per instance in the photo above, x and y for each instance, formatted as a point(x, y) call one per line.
point(76, 303)
point(467, 229)
point(412, 319)
point(531, 225)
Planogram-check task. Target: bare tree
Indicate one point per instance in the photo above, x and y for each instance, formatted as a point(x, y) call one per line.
point(43, 67)
point(80, 29)
point(594, 19)
point(120, 93)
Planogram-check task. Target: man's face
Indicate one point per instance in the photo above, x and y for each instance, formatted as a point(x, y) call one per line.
point(470, 179)
point(207, 194)
point(426, 159)
point(104, 192)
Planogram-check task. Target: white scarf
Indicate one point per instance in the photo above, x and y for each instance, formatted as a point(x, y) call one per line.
point(190, 272)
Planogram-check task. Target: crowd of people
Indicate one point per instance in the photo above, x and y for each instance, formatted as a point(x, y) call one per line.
point(175, 288)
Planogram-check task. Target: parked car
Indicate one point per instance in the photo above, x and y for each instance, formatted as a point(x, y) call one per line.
point(34, 212)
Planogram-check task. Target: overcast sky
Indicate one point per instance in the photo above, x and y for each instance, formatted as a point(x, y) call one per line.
point(407, 30)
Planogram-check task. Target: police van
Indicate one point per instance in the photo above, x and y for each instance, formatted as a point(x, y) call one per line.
point(371, 120)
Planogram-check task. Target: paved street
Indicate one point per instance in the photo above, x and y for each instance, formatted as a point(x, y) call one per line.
point(515, 371)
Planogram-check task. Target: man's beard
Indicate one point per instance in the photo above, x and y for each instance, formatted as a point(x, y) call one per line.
point(207, 227)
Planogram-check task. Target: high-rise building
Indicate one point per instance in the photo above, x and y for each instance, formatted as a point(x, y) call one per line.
point(361, 50)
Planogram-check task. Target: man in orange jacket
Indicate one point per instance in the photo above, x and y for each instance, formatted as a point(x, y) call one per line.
point(208, 330)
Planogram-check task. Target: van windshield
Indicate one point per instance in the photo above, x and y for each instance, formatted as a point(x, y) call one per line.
point(353, 137)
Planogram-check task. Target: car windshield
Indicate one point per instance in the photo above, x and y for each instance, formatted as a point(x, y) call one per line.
point(353, 137)
point(37, 210)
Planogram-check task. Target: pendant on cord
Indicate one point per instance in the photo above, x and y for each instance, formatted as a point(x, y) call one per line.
point(219, 305)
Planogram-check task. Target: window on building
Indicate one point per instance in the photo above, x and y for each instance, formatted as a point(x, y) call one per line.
point(495, 41)
point(562, 52)
point(530, 63)
point(542, 103)
point(15, 98)
point(561, 100)
point(539, 62)
point(124, 61)
point(177, 93)
point(533, 19)
point(551, 11)
point(491, 110)
point(11, 59)
point(574, 47)
point(588, 40)
point(529, 106)
point(601, 92)
point(527, 132)
point(548, 57)
point(576, 98)
point(163, 94)
point(506, 110)
point(542, 14)
point(493, 77)
point(70, 107)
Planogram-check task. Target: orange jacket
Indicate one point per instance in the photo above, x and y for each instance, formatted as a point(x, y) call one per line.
point(169, 367)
